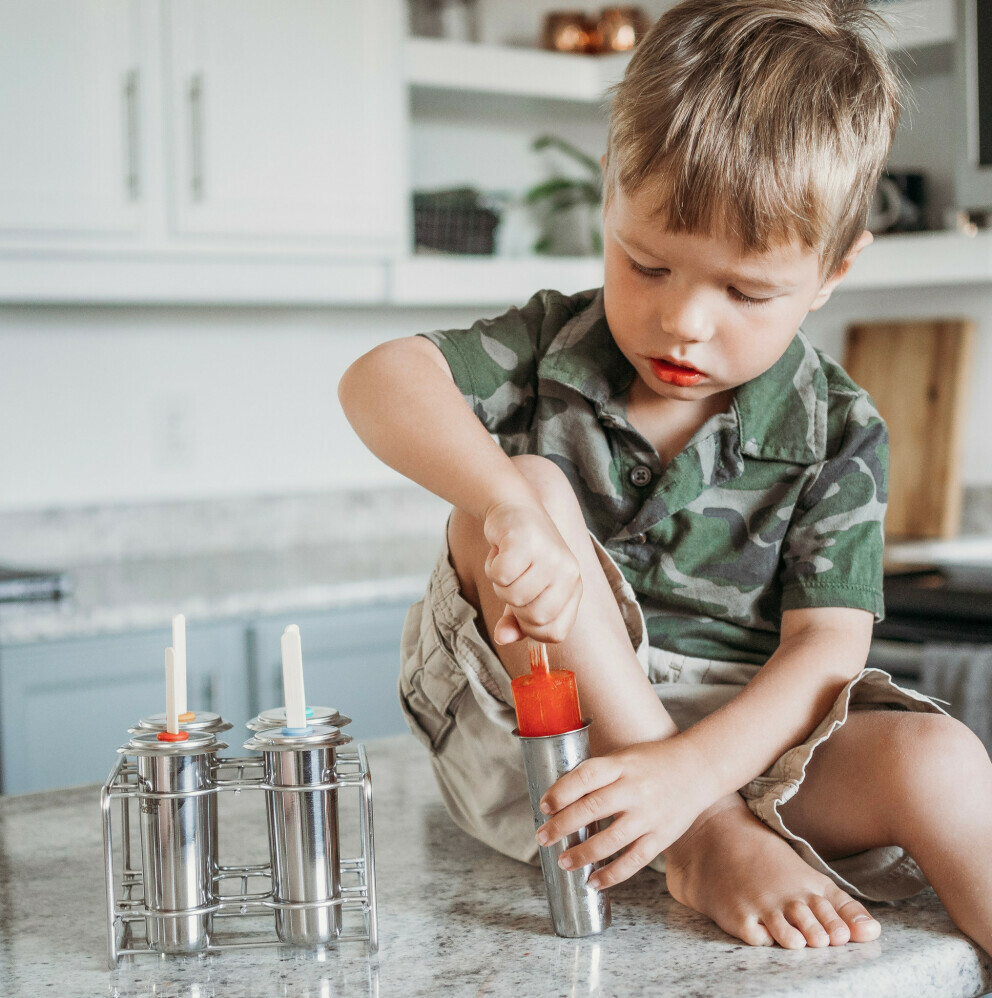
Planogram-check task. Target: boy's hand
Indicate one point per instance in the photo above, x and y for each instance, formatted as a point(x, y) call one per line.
point(533, 571)
point(653, 791)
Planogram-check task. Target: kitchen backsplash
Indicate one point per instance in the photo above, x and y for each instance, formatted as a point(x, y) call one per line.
point(65, 537)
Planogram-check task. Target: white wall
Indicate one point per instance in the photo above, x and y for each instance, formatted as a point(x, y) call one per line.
point(103, 405)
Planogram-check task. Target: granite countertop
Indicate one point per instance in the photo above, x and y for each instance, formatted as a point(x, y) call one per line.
point(454, 918)
point(136, 594)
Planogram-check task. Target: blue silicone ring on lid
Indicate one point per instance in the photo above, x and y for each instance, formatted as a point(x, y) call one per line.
point(296, 732)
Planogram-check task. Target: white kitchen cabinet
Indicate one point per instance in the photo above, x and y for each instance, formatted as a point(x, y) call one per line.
point(286, 120)
point(65, 706)
point(71, 92)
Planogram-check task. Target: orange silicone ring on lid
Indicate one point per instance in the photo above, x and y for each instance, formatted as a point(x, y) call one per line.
point(546, 701)
point(168, 736)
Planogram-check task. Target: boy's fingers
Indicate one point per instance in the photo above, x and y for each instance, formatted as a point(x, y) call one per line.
point(600, 771)
point(503, 568)
point(595, 806)
point(507, 629)
point(601, 846)
point(524, 590)
point(635, 857)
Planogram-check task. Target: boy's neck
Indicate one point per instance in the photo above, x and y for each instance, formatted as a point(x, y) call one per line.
point(669, 424)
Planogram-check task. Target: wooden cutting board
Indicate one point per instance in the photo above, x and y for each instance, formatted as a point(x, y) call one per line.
point(917, 373)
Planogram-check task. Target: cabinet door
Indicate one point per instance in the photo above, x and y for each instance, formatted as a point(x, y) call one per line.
point(288, 119)
point(70, 93)
point(65, 706)
point(351, 661)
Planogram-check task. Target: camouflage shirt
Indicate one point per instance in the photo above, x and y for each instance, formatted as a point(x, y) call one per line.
point(775, 504)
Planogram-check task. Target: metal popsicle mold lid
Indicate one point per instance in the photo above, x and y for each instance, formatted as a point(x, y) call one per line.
point(276, 740)
point(204, 720)
point(276, 718)
point(147, 743)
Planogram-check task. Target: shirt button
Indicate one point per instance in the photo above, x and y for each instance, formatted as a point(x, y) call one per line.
point(640, 476)
point(639, 538)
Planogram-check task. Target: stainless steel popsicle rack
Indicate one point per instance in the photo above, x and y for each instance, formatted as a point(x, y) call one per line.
point(167, 891)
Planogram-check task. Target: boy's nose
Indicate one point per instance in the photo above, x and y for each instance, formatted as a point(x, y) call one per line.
point(687, 318)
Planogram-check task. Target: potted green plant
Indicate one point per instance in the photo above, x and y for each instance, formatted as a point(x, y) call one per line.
point(568, 205)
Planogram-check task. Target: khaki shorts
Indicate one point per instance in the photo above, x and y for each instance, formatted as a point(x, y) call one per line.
point(456, 696)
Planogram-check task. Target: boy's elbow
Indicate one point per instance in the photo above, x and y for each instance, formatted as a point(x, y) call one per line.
point(358, 378)
point(393, 359)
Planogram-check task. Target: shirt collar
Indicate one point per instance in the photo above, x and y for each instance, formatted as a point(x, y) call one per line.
point(584, 356)
point(781, 415)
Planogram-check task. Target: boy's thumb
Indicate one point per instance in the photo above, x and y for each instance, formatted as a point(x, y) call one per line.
point(507, 630)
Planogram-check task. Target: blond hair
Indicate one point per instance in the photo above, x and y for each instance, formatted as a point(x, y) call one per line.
point(772, 118)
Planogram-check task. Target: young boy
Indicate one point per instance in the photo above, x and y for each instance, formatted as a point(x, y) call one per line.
point(664, 480)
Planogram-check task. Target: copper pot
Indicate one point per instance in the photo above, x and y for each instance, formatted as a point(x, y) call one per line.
point(620, 28)
point(569, 31)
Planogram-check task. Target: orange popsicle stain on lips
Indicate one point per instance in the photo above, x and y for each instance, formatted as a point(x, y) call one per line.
point(546, 701)
point(681, 375)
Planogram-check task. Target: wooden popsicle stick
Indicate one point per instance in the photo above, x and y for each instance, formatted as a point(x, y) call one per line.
point(539, 657)
point(292, 678)
point(171, 714)
point(179, 647)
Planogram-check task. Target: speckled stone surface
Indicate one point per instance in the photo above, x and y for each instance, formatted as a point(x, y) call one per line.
point(455, 919)
point(144, 593)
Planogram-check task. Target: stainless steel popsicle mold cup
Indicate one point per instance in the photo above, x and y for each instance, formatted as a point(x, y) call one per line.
point(175, 788)
point(302, 811)
point(202, 721)
point(576, 909)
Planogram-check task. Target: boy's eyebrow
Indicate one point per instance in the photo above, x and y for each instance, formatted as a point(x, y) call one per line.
point(754, 281)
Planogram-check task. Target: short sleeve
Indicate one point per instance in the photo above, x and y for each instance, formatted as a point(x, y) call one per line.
point(494, 364)
point(832, 553)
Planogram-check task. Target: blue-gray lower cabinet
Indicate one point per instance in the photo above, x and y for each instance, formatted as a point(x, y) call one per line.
point(351, 659)
point(65, 706)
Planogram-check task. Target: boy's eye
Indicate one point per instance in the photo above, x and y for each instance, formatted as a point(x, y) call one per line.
point(647, 271)
point(744, 299)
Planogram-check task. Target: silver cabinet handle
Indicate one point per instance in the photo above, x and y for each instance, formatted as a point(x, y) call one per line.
point(132, 182)
point(195, 95)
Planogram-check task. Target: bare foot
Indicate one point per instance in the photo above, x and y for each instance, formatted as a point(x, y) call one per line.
point(747, 878)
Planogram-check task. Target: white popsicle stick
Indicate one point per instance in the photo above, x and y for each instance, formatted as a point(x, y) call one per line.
point(292, 678)
point(171, 714)
point(179, 645)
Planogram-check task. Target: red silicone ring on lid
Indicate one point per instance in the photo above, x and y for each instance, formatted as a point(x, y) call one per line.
point(168, 736)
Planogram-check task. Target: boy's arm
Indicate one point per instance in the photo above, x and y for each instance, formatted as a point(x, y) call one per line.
point(656, 790)
point(403, 403)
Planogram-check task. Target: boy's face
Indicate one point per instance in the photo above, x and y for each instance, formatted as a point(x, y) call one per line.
point(694, 314)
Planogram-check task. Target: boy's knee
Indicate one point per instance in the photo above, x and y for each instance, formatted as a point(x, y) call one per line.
point(934, 756)
point(552, 487)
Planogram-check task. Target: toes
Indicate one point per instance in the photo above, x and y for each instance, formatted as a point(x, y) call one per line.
point(837, 929)
point(754, 933)
point(783, 931)
point(862, 926)
point(802, 917)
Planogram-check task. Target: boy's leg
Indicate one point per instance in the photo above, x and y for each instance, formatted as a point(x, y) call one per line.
point(728, 865)
point(919, 781)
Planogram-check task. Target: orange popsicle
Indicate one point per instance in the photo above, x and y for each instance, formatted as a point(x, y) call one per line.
point(546, 701)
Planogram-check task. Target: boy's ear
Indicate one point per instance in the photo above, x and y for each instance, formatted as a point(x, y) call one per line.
point(827, 288)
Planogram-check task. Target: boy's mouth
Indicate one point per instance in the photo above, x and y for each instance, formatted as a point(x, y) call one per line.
point(681, 375)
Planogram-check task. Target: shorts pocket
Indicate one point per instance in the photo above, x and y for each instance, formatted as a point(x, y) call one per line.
point(430, 690)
